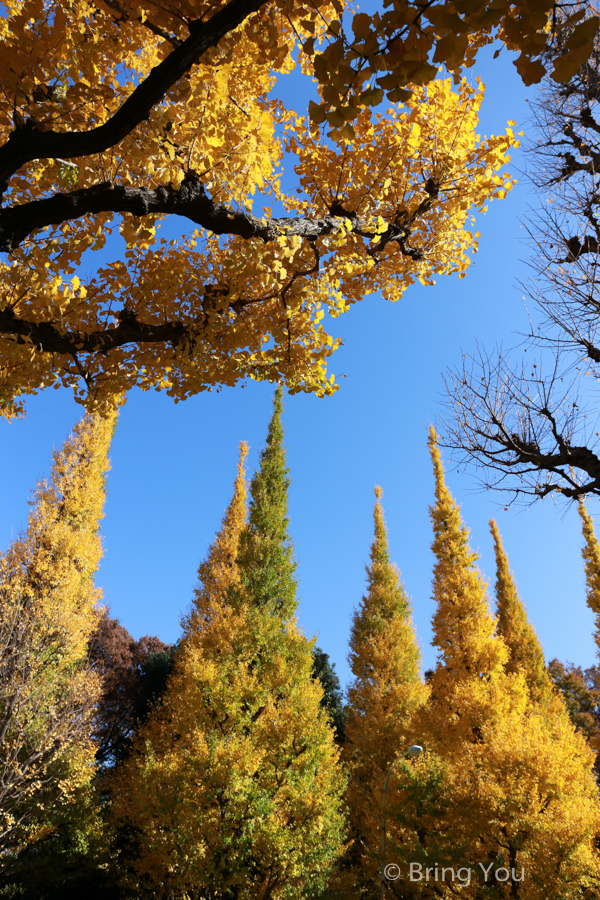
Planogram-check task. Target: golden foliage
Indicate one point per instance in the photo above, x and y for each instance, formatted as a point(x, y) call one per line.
point(87, 157)
point(502, 783)
point(591, 557)
point(234, 784)
point(462, 623)
point(48, 608)
point(386, 691)
point(390, 52)
point(525, 651)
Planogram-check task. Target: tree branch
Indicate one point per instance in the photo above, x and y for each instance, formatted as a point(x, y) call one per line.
point(27, 143)
point(189, 200)
point(49, 338)
point(155, 29)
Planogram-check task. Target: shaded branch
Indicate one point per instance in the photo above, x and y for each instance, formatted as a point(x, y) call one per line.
point(50, 338)
point(147, 23)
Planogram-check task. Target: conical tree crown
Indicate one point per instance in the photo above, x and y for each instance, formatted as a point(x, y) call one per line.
point(385, 606)
point(51, 568)
point(219, 573)
point(234, 783)
point(382, 699)
point(525, 650)
point(463, 627)
point(266, 556)
point(591, 557)
point(48, 609)
point(503, 778)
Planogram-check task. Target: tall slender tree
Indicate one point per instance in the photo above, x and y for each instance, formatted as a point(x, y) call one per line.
point(219, 573)
point(515, 789)
point(462, 624)
point(525, 650)
point(233, 788)
point(386, 690)
point(591, 557)
point(48, 609)
point(266, 555)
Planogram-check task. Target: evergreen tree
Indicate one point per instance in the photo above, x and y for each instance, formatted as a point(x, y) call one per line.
point(233, 787)
point(266, 556)
point(48, 609)
point(382, 699)
point(333, 700)
point(525, 651)
point(591, 556)
point(503, 784)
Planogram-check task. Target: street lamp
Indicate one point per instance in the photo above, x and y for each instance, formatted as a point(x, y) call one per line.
point(412, 753)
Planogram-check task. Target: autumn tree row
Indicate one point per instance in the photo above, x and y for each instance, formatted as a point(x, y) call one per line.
point(214, 769)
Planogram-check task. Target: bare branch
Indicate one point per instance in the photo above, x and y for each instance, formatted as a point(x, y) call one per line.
point(527, 432)
point(519, 427)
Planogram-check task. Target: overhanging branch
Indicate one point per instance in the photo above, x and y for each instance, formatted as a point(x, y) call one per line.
point(27, 143)
point(49, 338)
point(189, 200)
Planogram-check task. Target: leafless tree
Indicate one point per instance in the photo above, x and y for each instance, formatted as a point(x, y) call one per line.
point(529, 420)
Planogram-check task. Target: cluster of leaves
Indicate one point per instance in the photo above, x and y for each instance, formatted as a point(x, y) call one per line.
point(581, 691)
point(114, 116)
point(133, 675)
point(386, 52)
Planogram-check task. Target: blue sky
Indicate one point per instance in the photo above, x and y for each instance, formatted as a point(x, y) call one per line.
point(173, 465)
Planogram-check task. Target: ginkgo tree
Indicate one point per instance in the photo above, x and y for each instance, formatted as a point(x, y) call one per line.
point(115, 115)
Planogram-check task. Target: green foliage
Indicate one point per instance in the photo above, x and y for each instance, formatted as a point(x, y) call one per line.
point(72, 860)
point(154, 674)
point(333, 700)
point(266, 556)
point(233, 787)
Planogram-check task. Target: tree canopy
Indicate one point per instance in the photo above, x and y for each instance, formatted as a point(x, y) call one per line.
point(116, 115)
point(48, 611)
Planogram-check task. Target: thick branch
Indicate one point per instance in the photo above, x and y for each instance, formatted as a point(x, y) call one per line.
point(50, 339)
point(27, 143)
point(190, 200)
